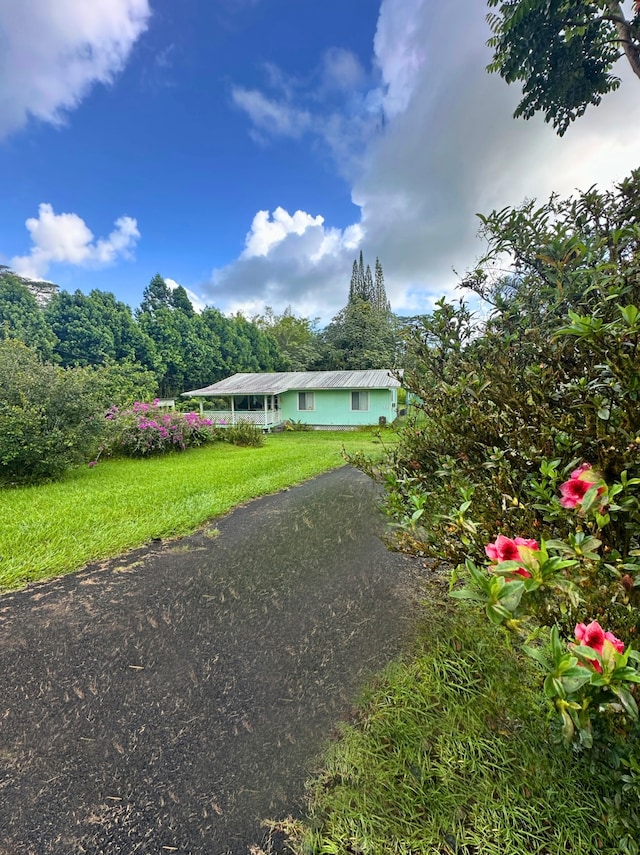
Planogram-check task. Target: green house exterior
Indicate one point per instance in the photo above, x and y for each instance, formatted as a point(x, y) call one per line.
point(322, 399)
point(334, 407)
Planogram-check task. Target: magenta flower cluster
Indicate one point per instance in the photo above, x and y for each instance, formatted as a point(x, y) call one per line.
point(146, 429)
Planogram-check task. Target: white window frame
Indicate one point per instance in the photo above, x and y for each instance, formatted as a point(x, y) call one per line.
point(307, 396)
point(360, 393)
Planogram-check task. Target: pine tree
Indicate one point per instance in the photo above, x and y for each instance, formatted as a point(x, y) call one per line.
point(354, 288)
point(380, 299)
point(155, 296)
point(367, 291)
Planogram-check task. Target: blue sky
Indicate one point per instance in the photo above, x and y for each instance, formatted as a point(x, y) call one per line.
point(248, 149)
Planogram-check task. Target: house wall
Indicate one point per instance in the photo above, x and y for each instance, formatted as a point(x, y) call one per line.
point(333, 407)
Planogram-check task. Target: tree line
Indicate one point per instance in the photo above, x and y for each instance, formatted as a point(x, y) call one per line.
point(184, 349)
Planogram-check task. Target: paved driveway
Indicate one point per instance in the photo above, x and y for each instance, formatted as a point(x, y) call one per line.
point(169, 700)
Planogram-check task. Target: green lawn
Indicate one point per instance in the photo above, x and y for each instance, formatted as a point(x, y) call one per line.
point(450, 754)
point(96, 513)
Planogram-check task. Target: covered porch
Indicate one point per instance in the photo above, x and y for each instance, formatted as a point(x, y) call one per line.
point(260, 410)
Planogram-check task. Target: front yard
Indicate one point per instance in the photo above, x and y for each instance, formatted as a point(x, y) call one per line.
point(97, 513)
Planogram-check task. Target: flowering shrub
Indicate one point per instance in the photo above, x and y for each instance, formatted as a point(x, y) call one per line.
point(527, 430)
point(594, 674)
point(146, 429)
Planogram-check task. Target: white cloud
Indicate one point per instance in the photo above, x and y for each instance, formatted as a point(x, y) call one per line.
point(268, 231)
point(271, 116)
point(448, 148)
point(289, 259)
point(53, 51)
point(66, 239)
point(341, 69)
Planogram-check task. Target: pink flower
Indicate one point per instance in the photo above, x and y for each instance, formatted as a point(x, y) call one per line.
point(574, 490)
point(507, 549)
point(92, 463)
point(593, 636)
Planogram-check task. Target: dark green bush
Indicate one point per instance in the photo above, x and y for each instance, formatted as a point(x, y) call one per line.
point(244, 433)
point(50, 418)
point(510, 403)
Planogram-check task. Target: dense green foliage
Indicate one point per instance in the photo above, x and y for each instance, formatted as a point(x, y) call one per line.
point(527, 432)
point(563, 51)
point(550, 373)
point(182, 349)
point(21, 318)
point(49, 417)
point(297, 338)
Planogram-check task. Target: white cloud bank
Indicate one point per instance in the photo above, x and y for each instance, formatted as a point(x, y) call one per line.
point(66, 239)
point(448, 147)
point(53, 51)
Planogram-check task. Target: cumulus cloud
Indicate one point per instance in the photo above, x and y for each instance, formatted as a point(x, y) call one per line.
point(289, 259)
point(66, 239)
point(446, 148)
point(53, 51)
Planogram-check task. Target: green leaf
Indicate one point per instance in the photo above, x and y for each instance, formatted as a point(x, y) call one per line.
point(627, 700)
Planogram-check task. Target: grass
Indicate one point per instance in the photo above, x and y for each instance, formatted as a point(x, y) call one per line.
point(450, 754)
point(51, 529)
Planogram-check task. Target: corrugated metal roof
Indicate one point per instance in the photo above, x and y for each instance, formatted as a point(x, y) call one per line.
point(285, 381)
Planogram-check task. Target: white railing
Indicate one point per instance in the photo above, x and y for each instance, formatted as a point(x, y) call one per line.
point(256, 417)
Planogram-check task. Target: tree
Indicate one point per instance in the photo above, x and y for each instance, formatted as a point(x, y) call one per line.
point(360, 337)
point(364, 333)
point(563, 51)
point(296, 338)
point(21, 317)
point(380, 300)
point(179, 299)
point(83, 337)
point(41, 290)
point(156, 295)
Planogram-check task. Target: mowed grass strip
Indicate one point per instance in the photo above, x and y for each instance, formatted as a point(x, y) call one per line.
point(51, 529)
point(450, 752)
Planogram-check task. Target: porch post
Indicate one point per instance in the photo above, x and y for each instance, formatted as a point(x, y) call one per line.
point(201, 408)
point(233, 412)
point(266, 420)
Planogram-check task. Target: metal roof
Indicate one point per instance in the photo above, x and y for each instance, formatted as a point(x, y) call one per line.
point(285, 381)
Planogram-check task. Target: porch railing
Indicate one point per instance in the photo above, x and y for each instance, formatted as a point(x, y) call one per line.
point(256, 417)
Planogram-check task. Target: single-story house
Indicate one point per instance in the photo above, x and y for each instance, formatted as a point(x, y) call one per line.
point(322, 399)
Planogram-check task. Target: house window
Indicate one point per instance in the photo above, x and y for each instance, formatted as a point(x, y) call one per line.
point(359, 400)
point(306, 401)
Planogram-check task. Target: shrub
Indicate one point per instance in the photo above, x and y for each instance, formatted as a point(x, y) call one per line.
point(509, 405)
point(50, 418)
point(244, 433)
point(526, 449)
point(293, 425)
point(146, 429)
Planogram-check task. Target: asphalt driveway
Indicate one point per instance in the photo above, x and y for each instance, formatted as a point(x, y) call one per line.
point(169, 700)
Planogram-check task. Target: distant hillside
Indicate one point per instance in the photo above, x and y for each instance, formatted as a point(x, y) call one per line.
point(42, 291)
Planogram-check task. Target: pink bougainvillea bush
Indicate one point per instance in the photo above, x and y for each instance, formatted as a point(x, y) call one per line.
point(146, 429)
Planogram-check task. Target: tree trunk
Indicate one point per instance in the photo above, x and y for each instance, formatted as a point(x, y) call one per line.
point(627, 42)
